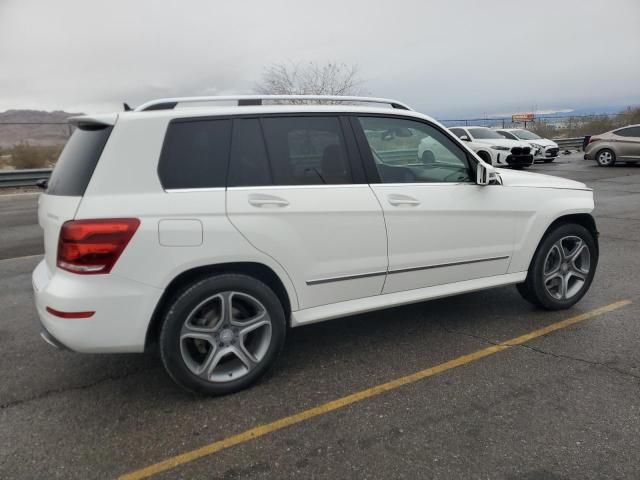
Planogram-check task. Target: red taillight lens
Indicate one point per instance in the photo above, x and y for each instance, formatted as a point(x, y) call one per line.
point(593, 139)
point(94, 246)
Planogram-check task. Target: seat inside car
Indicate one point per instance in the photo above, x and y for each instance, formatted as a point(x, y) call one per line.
point(428, 157)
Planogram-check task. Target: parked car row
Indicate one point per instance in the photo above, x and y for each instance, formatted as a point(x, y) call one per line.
point(519, 148)
point(510, 147)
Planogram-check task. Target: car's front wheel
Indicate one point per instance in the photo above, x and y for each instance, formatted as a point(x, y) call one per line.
point(562, 268)
point(606, 158)
point(222, 333)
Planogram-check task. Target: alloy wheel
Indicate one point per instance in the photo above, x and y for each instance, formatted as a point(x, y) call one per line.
point(605, 158)
point(225, 336)
point(566, 267)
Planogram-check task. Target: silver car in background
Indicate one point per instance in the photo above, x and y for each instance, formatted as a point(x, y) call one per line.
point(621, 144)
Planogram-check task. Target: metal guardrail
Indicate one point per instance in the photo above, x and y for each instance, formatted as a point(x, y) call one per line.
point(23, 178)
point(576, 142)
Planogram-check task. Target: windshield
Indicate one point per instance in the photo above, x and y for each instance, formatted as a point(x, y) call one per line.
point(526, 135)
point(485, 133)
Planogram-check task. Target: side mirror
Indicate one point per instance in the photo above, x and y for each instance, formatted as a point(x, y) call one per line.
point(465, 138)
point(485, 174)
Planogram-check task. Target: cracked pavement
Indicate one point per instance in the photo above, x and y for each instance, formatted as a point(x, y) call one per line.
point(562, 406)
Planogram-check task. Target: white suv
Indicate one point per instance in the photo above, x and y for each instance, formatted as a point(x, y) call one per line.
point(544, 149)
point(209, 231)
point(494, 148)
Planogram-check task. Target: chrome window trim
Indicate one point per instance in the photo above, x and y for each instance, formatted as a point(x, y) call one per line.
point(192, 190)
point(301, 187)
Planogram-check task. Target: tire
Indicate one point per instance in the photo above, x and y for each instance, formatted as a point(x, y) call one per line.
point(212, 350)
point(568, 275)
point(606, 158)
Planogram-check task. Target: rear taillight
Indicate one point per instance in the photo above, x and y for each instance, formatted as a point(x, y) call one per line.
point(94, 246)
point(593, 139)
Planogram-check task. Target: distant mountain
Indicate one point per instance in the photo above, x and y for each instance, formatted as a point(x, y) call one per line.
point(559, 111)
point(34, 127)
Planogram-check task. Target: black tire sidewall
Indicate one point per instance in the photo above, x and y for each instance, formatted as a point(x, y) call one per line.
point(184, 303)
point(535, 282)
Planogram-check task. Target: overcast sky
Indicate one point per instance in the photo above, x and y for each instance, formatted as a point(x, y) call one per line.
point(445, 58)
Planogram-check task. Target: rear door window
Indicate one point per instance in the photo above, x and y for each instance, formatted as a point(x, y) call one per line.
point(78, 160)
point(307, 150)
point(249, 166)
point(195, 154)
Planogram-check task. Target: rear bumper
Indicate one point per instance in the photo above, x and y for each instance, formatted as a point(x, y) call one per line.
point(123, 309)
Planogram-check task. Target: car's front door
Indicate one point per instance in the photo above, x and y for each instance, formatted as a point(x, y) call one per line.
point(441, 226)
point(298, 193)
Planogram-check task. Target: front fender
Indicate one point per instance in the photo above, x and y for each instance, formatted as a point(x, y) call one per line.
point(528, 238)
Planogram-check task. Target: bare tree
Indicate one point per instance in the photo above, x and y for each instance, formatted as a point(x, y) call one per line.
point(296, 78)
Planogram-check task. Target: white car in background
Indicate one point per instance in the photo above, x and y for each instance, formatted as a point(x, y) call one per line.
point(545, 150)
point(493, 148)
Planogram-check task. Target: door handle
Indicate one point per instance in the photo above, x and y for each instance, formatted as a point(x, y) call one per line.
point(261, 200)
point(402, 200)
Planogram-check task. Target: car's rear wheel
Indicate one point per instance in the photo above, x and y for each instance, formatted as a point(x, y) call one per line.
point(222, 333)
point(562, 268)
point(606, 158)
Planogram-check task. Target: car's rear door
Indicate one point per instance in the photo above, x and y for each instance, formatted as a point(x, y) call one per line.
point(297, 192)
point(442, 227)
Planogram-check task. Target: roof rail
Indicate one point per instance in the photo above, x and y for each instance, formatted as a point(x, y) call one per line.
point(246, 100)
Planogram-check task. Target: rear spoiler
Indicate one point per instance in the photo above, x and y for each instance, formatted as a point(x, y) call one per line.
point(102, 120)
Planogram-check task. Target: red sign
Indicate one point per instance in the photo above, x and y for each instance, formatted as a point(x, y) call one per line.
point(523, 117)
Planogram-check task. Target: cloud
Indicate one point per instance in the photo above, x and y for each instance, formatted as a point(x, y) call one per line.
point(441, 57)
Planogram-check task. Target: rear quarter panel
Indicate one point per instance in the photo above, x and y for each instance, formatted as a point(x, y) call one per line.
point(126, 184)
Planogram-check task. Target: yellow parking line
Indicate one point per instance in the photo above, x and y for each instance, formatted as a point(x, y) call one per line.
point(261, 430)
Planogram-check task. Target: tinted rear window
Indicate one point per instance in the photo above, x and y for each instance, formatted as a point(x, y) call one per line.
point(195, 154)
point(249, 162)
point(77, 161)
point(307, 151)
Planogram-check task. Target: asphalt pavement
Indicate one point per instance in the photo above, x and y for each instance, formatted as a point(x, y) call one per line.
point(563, 405)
